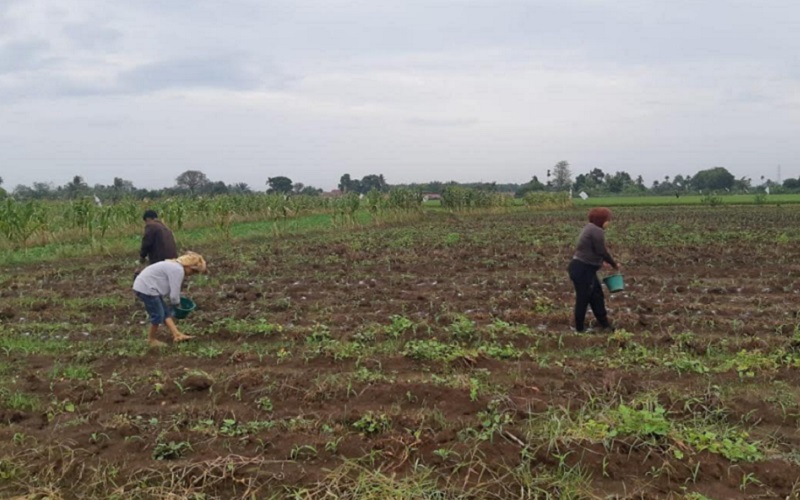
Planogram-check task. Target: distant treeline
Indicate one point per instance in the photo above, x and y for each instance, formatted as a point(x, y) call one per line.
point(559, 178)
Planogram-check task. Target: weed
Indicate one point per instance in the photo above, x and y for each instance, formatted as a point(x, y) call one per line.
point(399, 326)
point(319, 333)
point(431, 350)
point(19, 401)
point(264, 404)
point(332, 446)
point(303, 452)
point(747, 480)
point(491, 421)
point(463, 328)
point(731, 444)
point(372, 423)
point(171, 450)
point(71, 372)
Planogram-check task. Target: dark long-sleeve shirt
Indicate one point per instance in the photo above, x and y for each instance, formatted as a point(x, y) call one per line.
point(158, 243)
point(591, 248)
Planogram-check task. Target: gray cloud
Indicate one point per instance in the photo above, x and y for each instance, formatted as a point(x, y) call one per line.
point(23, 55)
point(92, 35)
point(201, 72)
point(442, 122)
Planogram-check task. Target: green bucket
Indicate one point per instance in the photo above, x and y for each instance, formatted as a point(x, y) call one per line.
point(614, 283)
point(183, 310)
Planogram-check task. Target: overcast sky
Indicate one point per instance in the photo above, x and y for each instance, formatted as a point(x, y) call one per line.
point(418, 90)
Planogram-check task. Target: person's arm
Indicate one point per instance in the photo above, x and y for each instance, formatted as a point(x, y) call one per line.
point(148, 240)
point(175, 279)
point(599, 246)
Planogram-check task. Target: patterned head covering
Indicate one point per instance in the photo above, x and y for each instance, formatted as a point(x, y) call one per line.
point(193, 261)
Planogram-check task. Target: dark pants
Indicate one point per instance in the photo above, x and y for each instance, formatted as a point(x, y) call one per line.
point(588, 292)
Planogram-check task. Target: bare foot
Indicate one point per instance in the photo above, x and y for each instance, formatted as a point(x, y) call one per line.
point(155, 343)
point(181, 337)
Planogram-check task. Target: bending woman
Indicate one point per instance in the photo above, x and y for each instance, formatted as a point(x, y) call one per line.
point(164, 279)
point(590, 253)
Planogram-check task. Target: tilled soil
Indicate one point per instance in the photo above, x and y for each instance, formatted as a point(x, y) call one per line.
point(301, 379)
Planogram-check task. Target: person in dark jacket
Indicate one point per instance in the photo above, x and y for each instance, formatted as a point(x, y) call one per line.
point(158, 242)
point(590, 254)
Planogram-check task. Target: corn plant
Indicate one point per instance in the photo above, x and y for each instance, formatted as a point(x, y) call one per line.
point(547, 201)
point(345, 208)
point(173, 211)
point(81, 214)
point(461, 199)
point(404, 199)
point(106, 217)
point(19, 221)
point(223, 208)
point(374, 201)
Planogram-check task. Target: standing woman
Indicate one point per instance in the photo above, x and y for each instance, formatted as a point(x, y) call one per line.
point(590, 253)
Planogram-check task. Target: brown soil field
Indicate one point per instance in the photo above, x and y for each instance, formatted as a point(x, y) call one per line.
point(432, 358)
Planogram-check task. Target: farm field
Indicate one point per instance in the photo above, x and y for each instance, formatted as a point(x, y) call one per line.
point(690, 199)
point(429, 358)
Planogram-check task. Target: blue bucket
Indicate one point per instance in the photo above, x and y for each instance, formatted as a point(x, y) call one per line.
point(614, 283)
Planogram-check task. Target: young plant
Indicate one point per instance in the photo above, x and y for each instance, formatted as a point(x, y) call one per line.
point(171, 450)
point(371, 423)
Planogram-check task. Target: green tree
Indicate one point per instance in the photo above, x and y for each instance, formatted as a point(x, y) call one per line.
point(435, 187)
point(23, 192)
point(742, 184)
point(592, 181)
point(370, 182)
point(713, 178)
point(215, 188)
point(598, 176)
point(618, 182)
point(42, 190)
point(76, 188)
point(240, 188)
point(562, 176)
point(193, 180)
point(348, 185)
point(279, 184)
point(122, 185)
point(792, 184)
point(533, 185)
point(119, 189)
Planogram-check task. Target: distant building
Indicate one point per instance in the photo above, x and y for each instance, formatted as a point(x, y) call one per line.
point(332, 194)
point(431, 196)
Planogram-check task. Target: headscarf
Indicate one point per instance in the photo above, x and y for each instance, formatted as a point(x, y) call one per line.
point(599, 216)
point(193, 261)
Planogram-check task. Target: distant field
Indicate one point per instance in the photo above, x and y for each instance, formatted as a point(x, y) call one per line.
point(734, 199)
point(616, 201)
